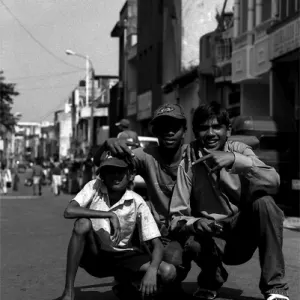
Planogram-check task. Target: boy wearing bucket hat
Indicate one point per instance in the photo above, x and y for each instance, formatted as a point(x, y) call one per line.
point(107, 213)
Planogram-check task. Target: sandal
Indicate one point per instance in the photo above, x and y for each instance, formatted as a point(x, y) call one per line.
point(276, 297)
point(206, 294)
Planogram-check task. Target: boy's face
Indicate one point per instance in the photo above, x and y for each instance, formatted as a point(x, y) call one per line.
point(211, 134)
point(115, 178)
point(170, 132)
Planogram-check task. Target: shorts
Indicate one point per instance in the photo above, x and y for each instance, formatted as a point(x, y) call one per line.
point(125, 264)
point(36, 179)
point(56, 179)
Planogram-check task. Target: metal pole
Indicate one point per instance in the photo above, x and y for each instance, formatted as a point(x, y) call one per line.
point(92, 110)
point(87, 79)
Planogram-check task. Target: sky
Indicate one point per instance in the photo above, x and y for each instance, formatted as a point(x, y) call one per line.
point(34, 58)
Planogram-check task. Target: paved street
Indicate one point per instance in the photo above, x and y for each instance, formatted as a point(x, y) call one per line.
point(34, 239)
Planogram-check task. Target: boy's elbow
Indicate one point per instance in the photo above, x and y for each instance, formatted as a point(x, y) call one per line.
point(68, 213)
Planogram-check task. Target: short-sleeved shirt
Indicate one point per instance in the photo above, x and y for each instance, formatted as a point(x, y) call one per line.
point(37, 171)
point(94, 195)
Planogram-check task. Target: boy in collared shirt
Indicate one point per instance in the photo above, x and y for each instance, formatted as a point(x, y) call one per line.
point(224, 190)
point(101, 243)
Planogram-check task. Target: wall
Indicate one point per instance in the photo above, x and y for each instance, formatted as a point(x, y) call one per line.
point(189, 100)
point(255, 99)
point(149, 49)
point(65, 134)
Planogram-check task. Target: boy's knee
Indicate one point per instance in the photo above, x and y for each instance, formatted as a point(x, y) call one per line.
point(267, 206)
point(167, 272)
point(82, 226)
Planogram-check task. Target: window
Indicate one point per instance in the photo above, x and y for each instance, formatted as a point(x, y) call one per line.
point(266, 10)
point(291, 7)
point(283, 9)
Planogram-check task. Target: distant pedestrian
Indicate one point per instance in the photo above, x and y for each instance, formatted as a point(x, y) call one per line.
point(37, 176)
point(56, 177)
point(87, 170)
point(5, 178)
point(127, 133)
point(16, 178)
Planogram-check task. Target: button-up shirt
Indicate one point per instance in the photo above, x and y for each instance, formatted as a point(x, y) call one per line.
point(220, 195)
point(128, 209)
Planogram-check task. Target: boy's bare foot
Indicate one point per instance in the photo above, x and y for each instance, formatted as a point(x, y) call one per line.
point(68, 295)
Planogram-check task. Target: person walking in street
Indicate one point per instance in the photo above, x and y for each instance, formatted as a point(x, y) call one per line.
point(106, 214)
point(127, 134)
point(37, 176)
point(16, 178)
point(158, 166)
point(5, 178)
point(87, 170)
point(56, 177)
point(222, 207)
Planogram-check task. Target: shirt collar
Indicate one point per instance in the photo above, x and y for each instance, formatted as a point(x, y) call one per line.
point(127, 196)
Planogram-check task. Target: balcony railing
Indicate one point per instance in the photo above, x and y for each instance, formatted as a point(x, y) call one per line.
point(261, 30)
point(223, 48)
point(243, 40)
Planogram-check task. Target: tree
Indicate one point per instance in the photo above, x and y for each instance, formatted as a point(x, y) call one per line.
point(7, 92)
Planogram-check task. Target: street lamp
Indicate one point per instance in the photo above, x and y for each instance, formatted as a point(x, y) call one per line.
point(88, 68)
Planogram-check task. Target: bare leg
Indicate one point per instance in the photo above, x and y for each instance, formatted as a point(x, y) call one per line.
point(81, 232)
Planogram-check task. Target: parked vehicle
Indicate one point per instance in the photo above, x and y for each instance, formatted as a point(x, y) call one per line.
point(279, 148)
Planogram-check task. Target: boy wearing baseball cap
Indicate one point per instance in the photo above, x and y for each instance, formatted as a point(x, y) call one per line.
point(158, 166)
point(107, 213)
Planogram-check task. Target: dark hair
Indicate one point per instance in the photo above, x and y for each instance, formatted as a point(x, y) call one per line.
point(209, 111)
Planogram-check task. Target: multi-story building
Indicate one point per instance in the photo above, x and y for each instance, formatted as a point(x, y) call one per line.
point(87, 132)
point(263, 32)
point(27, 140)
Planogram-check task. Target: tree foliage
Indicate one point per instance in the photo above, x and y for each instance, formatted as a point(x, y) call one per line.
point(7, 93)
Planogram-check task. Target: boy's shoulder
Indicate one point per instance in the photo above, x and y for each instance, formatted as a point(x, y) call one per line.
point(236, 146)
point(134, 196)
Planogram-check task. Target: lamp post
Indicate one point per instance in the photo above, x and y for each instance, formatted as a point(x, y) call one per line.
point(88, 67)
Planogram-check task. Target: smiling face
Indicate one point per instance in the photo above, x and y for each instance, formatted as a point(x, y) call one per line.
point(116, 179)
point(211, 134)
point(169, 131)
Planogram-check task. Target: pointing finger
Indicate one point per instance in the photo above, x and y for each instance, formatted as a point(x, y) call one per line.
point(202, 159)
point(207, 151)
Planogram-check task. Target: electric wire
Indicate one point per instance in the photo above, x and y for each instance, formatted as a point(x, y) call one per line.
point(36, 40)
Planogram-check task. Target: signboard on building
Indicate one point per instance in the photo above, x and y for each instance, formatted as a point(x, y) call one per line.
point(144, 106)
point(285, 39)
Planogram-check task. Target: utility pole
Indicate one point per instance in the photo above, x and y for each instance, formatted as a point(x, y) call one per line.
point(92, 110)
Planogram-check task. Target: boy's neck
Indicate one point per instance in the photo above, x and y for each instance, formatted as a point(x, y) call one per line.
point(171, 156)
point(114, 196)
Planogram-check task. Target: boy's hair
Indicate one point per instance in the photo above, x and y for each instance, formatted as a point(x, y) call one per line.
point(209, 111)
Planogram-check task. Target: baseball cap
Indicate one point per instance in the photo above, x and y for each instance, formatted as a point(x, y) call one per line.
point(169, 110)
point(124, 123)
point(108, 160)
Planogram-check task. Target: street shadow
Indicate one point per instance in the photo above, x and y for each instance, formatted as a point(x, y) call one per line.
point(82, 294)
point(225, 293)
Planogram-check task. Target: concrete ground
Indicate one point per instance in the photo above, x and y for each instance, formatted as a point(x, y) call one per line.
point(34, 239)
